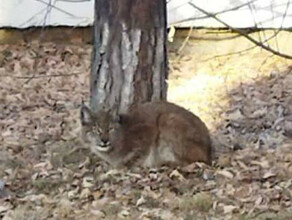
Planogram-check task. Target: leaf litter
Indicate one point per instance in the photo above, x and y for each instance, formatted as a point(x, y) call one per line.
point(46, 173)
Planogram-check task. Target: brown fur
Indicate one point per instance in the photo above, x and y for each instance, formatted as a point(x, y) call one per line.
point(151, 134)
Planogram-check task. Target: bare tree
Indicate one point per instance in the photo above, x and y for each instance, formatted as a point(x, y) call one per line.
point(129, 62)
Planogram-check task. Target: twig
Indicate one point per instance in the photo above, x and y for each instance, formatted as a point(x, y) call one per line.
point(185, 41)
point(217, 13)
point(242, 33)
point(40, 76)
point(252, 11)
point(265, 61)
point(245, 50)
point(58, 9)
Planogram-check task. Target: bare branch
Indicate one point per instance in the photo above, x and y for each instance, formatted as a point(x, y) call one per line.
point(242, 51)
point(40, 76)
point(237, 30)
point(48, 11)
point(58, 9)
point(185, 41)
point(217, 13)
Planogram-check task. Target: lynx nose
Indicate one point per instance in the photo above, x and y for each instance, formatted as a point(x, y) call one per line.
point(104, 141)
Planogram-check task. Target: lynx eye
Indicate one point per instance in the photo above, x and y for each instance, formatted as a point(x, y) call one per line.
point(111, 128)
point(98, 130)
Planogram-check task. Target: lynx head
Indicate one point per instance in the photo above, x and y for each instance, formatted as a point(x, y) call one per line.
point(99, 129)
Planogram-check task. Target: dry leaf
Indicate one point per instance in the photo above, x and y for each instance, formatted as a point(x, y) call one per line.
point(99, 214)
point(177, 175)
point(140, 201)
point(229, 208)
point(225, 173)
point(269, 174)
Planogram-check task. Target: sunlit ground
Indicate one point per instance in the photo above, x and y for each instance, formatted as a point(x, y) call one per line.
point(214, 86)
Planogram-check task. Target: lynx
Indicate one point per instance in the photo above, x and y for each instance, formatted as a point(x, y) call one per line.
point(151, 134)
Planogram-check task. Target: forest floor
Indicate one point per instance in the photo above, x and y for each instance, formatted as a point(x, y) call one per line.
point(45, 173)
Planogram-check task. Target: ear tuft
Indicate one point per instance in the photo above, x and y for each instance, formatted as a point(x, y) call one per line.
point(85, 115)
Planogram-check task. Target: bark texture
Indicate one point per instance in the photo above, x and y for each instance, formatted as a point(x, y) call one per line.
point(129, 58)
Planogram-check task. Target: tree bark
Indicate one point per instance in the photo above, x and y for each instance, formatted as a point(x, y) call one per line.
point(129, 61)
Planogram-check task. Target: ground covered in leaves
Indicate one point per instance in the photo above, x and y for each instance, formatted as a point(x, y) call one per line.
point(46, 173)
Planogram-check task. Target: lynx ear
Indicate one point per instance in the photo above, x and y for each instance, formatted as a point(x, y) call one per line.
point(85, 115)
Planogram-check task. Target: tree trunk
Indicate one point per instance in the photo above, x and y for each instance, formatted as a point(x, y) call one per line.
point(129, 63)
